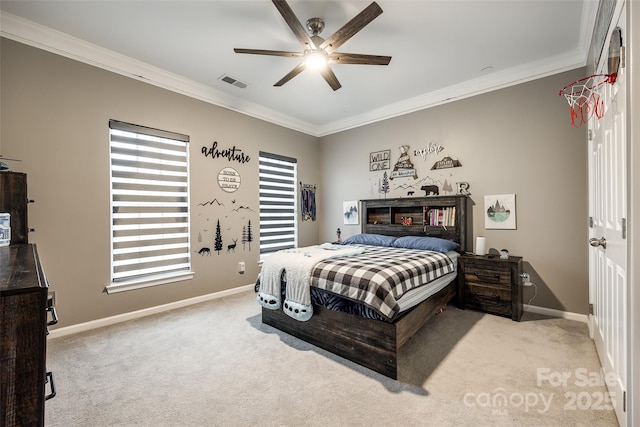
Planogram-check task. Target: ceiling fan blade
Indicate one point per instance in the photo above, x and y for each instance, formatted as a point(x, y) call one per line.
point(356, 58)
point(331, 78)
point(297, 70)
point(269, 52)
point(338, 38)
point(294, 23)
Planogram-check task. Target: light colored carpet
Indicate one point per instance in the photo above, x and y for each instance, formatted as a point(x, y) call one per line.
point(215, 364)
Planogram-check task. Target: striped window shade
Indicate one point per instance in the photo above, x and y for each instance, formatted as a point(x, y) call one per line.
point(278, 207)
point(150, 242)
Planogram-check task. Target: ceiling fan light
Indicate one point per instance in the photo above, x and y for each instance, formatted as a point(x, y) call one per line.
point(315, 59)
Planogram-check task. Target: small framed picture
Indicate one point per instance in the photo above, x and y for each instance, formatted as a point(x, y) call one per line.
point(500, 212)
point(379, 160)
point(350, 212)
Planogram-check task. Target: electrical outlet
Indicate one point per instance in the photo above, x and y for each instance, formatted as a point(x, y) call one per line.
point(52, 297)
point(526, 279)
point(241, 267)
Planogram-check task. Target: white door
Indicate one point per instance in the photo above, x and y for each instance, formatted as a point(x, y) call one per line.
point(608, 250)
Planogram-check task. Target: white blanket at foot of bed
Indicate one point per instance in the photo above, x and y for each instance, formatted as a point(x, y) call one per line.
point(297, 265)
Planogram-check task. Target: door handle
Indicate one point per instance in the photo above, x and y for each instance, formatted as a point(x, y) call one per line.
point(598, 242)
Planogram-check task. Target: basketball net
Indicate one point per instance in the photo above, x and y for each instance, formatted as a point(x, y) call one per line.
point(584, 99)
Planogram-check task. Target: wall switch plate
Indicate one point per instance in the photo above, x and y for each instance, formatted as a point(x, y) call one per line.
point(241, 267)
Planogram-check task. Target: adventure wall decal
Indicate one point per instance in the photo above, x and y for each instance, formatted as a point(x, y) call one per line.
point(232, 154)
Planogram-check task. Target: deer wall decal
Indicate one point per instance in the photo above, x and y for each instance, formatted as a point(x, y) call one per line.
point(232, 247)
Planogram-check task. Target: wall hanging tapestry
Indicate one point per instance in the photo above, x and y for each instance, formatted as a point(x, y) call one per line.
point(308, 201)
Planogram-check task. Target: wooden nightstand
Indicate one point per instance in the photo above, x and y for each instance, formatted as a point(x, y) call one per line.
point(490, 284)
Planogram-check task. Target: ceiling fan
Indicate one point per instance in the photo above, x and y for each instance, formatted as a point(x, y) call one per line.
point(317, 50)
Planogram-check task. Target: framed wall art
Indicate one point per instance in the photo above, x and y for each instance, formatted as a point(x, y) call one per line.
point(229, 180)
point(350, 212)
point(500, 212)
point(379, 160)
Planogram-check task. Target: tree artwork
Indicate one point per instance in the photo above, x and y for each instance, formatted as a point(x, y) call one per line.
point(384, 187)
point(249, 234)
point(244, 236)
point(218, 241)
point(446, 187)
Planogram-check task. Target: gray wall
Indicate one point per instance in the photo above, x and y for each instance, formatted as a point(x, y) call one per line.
point(55, 114)
point(54, 117)
point(517, 140)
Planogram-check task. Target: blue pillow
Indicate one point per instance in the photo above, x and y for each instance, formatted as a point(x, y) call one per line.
point(426, 243)
point(370, 239)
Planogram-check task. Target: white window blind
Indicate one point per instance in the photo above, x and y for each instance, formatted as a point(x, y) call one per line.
point(150, 241)
point(278, 207)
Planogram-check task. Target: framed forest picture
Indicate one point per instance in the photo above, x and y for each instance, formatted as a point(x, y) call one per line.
point(350, 212)
point(500, 212)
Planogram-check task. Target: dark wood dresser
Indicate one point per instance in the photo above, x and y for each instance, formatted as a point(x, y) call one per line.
point(24, 312)
point(24, 305)
point(490, 284)
point(13, 200)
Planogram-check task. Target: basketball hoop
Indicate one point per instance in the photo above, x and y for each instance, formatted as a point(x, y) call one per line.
point(583, 97)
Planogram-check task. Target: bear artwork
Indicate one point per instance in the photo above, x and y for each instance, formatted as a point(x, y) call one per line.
point(433, 189)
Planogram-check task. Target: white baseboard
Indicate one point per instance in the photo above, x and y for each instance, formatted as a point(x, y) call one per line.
point(106, 321)
point(556, 313)
point(112, 320)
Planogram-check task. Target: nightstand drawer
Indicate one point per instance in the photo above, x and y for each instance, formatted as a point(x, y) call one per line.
point(490, 284)
point(488, 293)
point(498, 275)
point(492, 299)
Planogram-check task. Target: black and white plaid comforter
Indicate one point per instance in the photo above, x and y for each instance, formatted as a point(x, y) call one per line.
point(380, 276)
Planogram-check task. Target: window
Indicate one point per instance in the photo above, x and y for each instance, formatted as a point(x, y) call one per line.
point(278, 205)
point(149, 207)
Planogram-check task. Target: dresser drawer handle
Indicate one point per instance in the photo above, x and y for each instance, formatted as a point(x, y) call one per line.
point(494, 297)
point(52, 386)
point(487, 276)
point(54, 315)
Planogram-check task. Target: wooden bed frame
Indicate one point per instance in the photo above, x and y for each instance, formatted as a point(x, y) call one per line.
point(371, 343)
point(375, 343)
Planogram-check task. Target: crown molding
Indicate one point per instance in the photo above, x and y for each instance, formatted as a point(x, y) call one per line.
point(36, 35)
point(498, 80)
point(45, 38)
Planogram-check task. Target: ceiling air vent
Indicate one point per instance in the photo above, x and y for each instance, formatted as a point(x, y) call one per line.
point(233, 81)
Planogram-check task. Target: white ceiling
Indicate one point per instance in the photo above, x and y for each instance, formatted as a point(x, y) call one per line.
point(442, 50)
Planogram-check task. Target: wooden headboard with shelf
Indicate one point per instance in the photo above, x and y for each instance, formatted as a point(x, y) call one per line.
point(447, 217)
